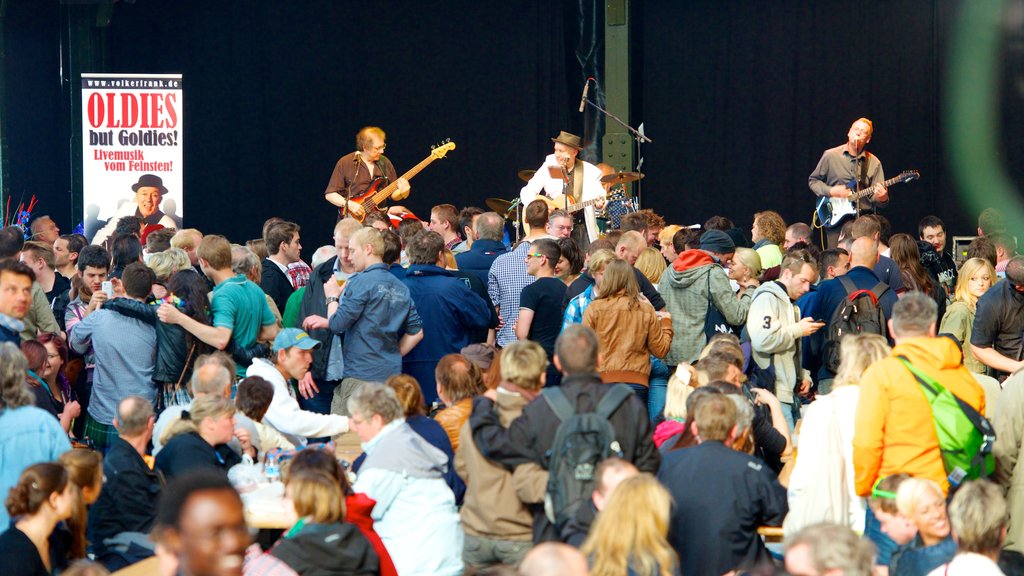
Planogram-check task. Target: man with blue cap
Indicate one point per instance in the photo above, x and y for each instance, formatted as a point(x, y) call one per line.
point(291, 358)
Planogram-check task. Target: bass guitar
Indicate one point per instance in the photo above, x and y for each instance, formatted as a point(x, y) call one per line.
point(832, 212)
point(376, 193)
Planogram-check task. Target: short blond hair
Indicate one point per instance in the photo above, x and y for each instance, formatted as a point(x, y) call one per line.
point(187, 239)
point(367, 236)
point(166, 263)
point(347, 227)
point(651, 264)
point(910, 492)
point(667, 233)
point(522, 363)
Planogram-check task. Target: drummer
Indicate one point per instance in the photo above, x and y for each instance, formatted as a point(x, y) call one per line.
point(583, 183)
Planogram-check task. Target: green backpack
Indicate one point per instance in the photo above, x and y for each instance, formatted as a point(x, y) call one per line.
point(965, 436)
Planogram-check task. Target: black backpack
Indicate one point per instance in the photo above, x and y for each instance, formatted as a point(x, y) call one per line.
point(581, 442)
point(859, 313)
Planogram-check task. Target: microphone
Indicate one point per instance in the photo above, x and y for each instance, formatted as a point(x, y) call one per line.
point(583, 98)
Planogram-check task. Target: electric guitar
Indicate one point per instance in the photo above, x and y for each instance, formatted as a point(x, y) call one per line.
point(375, 194)
point(559, 203)
point(833, 212)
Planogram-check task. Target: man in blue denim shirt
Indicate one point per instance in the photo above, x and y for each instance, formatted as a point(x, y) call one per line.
point(376, 315)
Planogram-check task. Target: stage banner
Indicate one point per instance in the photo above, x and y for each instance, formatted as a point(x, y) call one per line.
point(132, 150)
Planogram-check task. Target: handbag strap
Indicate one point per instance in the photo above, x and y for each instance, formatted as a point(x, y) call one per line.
point(184, 368)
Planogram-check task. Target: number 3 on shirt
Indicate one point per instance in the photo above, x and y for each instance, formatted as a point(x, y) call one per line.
point(767, 323)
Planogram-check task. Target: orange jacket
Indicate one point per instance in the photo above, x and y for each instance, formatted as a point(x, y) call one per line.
point(893, 430)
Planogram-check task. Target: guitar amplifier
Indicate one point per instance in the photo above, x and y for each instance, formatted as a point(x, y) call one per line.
point(960, 244)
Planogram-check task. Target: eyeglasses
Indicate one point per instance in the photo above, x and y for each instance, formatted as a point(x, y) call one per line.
point(876, 492)
point(535, 255)
point(379, 148)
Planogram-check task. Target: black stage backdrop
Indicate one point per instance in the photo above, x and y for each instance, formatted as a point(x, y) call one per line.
point(741, 97)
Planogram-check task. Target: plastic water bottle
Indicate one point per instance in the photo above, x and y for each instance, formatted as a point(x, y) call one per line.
point(271, 468)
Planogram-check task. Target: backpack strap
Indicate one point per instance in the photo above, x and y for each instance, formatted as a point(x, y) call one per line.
point(932, 387)
point(559, 404)
point(848, 285)
point(612, 400)
point(879, 289)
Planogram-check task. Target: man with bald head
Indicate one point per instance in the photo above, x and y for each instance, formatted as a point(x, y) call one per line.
point(832, 293)
point(553, 559)
point(126, 508)
point(488, 231)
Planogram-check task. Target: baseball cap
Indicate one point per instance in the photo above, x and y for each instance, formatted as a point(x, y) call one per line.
point(293, 337)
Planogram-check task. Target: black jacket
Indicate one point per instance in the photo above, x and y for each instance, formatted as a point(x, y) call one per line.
point(529, 437)
point(314, 303)
point(721, 496)
point(328, 550)
point(189, 451)
point(276, 284)
point(129, 497)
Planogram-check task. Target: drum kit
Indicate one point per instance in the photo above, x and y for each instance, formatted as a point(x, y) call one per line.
point(619, 202)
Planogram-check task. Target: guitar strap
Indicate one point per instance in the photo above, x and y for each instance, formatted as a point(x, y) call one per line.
point(863, 177)
point(577, 183)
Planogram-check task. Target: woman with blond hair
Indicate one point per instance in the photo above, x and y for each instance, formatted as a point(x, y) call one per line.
point(744, 267)
point(628, 329)
point(199, 439)
point(821, 488)
point(921, 500)
point(630, 536)
point(320, 541)
point(651, 264)
point(975, 278)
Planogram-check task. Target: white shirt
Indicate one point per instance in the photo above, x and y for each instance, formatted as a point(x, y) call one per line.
point(287, 417)
point(542, 180)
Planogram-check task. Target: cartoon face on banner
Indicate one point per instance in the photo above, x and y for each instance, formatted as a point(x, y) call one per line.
point(132, 151)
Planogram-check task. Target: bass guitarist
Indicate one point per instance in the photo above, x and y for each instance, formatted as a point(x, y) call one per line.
point(850, 162)
point(579, 180)
point(355, 172)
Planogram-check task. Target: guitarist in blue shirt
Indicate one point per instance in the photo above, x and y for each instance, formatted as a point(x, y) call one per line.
point(847, 163)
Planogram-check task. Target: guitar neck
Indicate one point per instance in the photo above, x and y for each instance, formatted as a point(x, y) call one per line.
point(868, 192)
point(388, 190)
point(577, 207)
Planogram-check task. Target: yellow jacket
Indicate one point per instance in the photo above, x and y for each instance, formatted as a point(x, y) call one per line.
point(893, 429)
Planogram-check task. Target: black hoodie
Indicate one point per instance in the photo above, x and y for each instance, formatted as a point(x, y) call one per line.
point(328, 550)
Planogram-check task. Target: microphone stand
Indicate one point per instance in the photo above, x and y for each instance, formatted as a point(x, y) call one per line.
point(638, 136)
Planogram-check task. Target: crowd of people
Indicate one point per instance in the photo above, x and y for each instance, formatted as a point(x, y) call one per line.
point(651, 400)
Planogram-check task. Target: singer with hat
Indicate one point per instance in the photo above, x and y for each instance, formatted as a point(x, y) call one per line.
point(564, 173)
point(149, 192)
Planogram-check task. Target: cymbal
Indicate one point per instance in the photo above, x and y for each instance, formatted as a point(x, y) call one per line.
point(525, 175)
point(621, 177)
point(499, 205)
